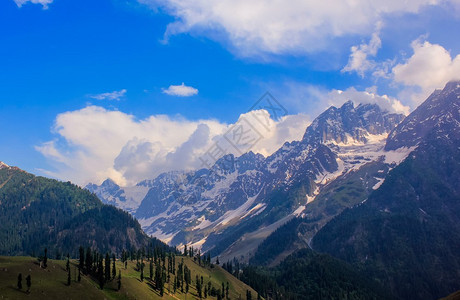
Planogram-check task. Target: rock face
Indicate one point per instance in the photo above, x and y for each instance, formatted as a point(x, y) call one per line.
point(407, 234)
point(218, 209)
point(439, 110)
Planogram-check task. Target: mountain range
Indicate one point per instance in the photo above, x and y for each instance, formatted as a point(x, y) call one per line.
point(232, 207)
point(365, 206)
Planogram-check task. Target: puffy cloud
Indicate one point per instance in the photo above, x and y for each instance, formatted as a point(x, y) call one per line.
point(313, 100)
point(115, 95)
point(359, 58)
point(94, 143)
point(45, 3)
point(430, 67)
point(390, 104)
point(180, 90)
point(277, 27)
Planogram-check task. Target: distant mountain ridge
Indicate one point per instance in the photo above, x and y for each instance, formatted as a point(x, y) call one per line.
point(217, 209)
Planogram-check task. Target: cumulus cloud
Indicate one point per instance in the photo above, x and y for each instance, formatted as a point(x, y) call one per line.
point(430, 67)
point(313, 100)
point(279, 27)
point(180, 90)
point(359, 61)
point(44, 3)
point(94, 143)
point(369, 96)
point(115, 95)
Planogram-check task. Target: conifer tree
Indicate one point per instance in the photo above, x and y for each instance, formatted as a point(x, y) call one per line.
point(107, 266)
point(223, 290)
point(82, 258)
point(227, 289)
point(88, 261)
point(119, 280)
point(67, 264)
point(151, 269)
point(20, 281)
point(114, 270)
point(45, 259)
point(198, 287)
point(142, 271)
point(29, 283)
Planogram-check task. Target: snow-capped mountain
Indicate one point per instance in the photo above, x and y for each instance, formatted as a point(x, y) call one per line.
point(441, 108)
point(241, 200)
point(126, 198)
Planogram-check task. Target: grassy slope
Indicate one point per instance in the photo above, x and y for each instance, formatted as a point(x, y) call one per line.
point(52, 282)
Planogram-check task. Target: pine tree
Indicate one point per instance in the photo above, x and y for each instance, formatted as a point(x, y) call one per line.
point(151, 269)
point(227, 289)
point(223, 290)
point(20, 281)
point(107, 266)
point(29, 283)
point(217, 260)
point(45, 259)
point(88, 261)
point(82, 258)
point(185, 250)
point(67, 264)
point(198, 287)
point(142, 271)
point(114, 270)
point(119, 280)
point(100, 272)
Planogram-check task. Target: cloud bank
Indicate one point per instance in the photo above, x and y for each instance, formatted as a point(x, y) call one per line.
point(279, 27)
point(94, 143)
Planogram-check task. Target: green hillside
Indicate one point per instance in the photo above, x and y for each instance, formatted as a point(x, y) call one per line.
point(51, 283)
point(38, 213)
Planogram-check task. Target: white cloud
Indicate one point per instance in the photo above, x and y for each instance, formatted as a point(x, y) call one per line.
point(279, 27)
point(430, 67)
point(359, 61)
point(180, 90)
point(390, 104)
point(94, 143)
point(45, 3)
point(115, 95)
point(313, 100)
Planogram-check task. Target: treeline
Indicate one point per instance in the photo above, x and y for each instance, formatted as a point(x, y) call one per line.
point(307, 275)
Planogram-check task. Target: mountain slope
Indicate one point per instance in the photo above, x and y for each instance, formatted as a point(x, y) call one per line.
point(407, 234)
point(37, 212)
point(232, 207)
point(51, 283)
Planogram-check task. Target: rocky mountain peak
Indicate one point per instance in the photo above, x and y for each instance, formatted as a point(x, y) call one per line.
point(3, 165)
point(349, 123)
point(442, 108)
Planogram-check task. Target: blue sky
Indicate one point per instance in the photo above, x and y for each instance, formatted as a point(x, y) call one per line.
point(61, 60)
